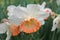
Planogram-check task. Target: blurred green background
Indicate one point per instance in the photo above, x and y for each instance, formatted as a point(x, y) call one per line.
point(45, 31)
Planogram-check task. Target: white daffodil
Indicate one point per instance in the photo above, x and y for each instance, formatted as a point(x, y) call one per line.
point(56, 23)
point(33, 13)
point(32, 10)
point(5, 28)
point(29, 19)
point(9, 28)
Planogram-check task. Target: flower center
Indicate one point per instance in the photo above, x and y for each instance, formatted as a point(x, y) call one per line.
point(30, 23)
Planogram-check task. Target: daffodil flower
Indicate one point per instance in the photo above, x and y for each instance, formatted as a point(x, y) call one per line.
point(29, 18)
point(26, 19)
point(9, 28)
point(56, 23)
point(5, 28)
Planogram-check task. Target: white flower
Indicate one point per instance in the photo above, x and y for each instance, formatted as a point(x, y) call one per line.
point(32, 10)
point(56, 23)
point(5, 28)
point(19, 13)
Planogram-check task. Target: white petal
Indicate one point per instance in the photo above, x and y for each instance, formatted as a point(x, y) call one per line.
point(10, 10)
point(23, 8)
point(42, 21)
point(43, 5)
point(42, 15)
point(3, 28)
point(20, 12)
point(15, 20)
point(33, 8)
point(53, 28)
point(8, 35)
point(10, 14)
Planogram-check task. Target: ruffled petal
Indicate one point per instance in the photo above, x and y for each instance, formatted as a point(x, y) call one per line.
point(23, 8)
point(10, 9)
point(15, 20)
point(43, 5)
point(20, 12)
point(42, 15)
point(3, 28)
point(33, 8)
point(41, 21)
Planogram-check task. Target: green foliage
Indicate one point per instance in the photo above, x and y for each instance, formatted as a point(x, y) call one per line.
point(45, 31)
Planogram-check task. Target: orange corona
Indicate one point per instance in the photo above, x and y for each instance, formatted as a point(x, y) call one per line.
point(30, 25)
point(14, 29)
